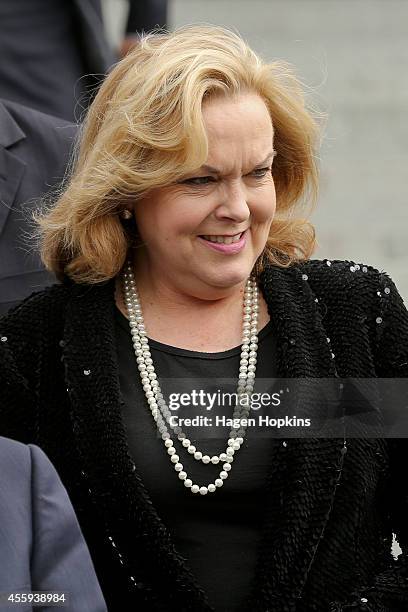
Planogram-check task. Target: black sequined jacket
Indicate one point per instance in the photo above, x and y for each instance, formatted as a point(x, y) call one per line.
point(326, 543)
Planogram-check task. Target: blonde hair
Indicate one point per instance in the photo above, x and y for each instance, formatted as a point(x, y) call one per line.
point(145, 130)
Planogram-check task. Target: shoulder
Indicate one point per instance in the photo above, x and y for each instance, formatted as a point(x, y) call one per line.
point(344, 288)
point(35, 322)
point(15, 461)
point(39, 305)
point(331, 276)
point(36, 130)
point(42, 315)
point(15, 501)
point(347, 281)
point(348, 286)
point(29, 119)
point(338, 272)
point(354, 295)
point(13, 454)
point(23, 468)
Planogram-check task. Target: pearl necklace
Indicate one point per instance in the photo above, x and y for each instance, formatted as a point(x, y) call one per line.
point(158, 407)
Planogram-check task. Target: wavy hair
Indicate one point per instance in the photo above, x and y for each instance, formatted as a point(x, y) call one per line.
point(145, 129)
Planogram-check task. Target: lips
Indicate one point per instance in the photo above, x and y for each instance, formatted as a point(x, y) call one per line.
point(223, 239)
point(226, 244)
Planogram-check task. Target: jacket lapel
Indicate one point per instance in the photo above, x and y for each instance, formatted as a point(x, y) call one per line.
point(303, 477)
point(11, 167)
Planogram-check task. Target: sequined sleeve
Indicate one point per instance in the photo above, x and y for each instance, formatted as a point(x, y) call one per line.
point(389, 589)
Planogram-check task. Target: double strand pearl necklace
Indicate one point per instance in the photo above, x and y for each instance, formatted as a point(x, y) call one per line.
point(155, 399)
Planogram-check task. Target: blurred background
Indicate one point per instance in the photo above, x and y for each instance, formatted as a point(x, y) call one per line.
point(353, 55)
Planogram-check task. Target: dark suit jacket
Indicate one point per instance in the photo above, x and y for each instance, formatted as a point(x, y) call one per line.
point(47, 49)
point(34, 151)
point(330, 515)
point(144, 15)
point(41, 545)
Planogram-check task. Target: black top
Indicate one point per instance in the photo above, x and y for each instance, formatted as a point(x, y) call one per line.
point(217, 534)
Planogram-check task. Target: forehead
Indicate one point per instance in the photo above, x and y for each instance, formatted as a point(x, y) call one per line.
point(242, 116)
point(239, 130)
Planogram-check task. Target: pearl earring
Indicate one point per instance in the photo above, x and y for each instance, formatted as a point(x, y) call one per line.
point(126, 214)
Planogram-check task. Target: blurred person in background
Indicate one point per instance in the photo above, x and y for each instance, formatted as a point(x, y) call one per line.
point(41, 544)
point(34, 154)
point(53, 57)
point(183, 250)
point(54, 54)
point(143, 16)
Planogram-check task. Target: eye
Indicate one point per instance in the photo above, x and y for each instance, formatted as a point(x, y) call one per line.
point(202, 181)
point(199, 180)
point(261, 172)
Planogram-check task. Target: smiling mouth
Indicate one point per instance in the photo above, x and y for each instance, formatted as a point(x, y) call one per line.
point(224, 239)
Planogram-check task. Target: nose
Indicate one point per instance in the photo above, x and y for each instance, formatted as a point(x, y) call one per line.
point(233, 204)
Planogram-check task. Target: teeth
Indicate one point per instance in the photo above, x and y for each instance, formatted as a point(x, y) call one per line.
point(223, 239)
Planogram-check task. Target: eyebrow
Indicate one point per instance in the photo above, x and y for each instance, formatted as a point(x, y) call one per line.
point(213, 170)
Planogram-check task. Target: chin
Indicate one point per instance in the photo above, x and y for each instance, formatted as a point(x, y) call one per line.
point(228, 278)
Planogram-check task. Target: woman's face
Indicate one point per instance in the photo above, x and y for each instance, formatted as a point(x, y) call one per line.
point(207, 231)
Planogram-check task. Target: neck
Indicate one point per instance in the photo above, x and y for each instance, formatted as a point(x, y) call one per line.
point(177, 317)
point(169, 293)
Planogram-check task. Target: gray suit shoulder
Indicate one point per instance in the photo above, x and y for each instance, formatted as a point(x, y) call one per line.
point(13, 449)
point(41, 129)
point(23, 113)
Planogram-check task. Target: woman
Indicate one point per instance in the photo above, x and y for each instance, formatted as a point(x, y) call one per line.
point(182, 256)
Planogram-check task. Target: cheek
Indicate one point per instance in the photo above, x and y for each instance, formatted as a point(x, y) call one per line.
point(180, 215)
point(165, 232)
point(264, 207)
